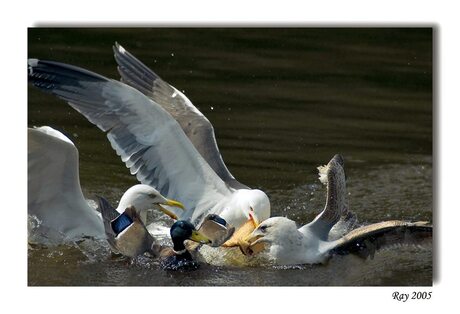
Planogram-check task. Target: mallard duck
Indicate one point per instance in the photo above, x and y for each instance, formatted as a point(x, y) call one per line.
point(286, 244)
point(127, 235)
point(158, 133)
point(179, 257)
point(55, 197)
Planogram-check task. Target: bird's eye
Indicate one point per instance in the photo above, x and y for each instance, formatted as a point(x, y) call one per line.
point(263, 228)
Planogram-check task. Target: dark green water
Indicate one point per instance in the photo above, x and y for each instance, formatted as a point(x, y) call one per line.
point(282, 102)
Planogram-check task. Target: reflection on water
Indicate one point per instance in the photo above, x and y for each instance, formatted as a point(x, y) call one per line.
point(282, 102)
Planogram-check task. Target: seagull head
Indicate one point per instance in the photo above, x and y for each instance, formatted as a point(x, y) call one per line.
point(279, 231)
point(144, 198)
point(253, 205)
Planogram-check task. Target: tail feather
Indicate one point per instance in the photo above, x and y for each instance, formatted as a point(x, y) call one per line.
point(108, 214)
point(108, 211)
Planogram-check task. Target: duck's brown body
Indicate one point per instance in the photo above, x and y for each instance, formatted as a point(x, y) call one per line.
point(135, 240)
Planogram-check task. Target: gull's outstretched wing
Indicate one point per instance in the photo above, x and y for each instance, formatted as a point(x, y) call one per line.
point(144, 135)
point(366, 240)
point(333, 175)
point(194, 124)
point(54, 193)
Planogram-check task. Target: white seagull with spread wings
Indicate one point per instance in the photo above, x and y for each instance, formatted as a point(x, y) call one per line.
point(161, 137)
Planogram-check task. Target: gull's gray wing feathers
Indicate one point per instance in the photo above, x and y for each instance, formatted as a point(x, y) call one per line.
point(194, 124)
point(144, 135)
point(366, 240)
point(54, 192)
point(334, 176)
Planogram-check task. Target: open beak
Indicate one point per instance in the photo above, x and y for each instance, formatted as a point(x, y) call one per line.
point(242, 232)
point(253, 243)
point(171, 203)
point(199, 237)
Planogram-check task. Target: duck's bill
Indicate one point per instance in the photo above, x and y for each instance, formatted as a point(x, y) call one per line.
point(242, 232)
point(171, 203)
point(199, 237)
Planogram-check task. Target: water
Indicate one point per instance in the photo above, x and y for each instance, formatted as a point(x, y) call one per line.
point(282, 102)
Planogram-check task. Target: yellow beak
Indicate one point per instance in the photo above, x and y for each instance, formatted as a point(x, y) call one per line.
point(242, 232)
point(252, 244)
point(199, 237)
point(173, 204)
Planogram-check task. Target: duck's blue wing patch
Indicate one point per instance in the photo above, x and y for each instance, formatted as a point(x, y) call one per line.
point(217, 219)
point(121, 223)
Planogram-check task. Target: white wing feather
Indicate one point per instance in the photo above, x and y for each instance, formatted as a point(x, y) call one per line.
point(144, 135)
point(54, 193)
point(194, 124)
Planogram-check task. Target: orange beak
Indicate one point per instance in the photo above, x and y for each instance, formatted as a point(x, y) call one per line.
point(242, 232)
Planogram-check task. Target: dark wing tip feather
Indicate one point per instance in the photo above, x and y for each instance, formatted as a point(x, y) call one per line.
point(42, 73)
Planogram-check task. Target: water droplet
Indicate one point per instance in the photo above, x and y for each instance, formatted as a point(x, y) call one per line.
point(212, 108)
point(172, 54)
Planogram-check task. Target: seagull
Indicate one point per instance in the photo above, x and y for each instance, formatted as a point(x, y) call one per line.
point(55, 197)
point(286, 244)
point(152, 143)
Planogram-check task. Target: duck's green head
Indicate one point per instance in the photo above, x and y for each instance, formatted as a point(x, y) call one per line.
point(183, 230)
